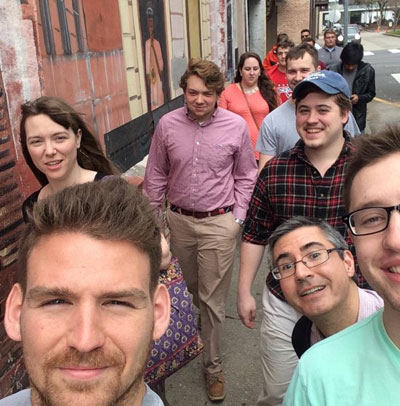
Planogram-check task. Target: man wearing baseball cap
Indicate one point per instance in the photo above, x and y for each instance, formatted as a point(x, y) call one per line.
point(307, 181)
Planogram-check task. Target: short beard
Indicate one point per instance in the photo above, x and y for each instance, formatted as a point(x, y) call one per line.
point(111, 393)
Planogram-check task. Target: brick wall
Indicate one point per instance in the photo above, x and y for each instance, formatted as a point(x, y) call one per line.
point(82, 61)
point(293, 16)
point(12, 374)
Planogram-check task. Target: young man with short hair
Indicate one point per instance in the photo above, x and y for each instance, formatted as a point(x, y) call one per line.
point(87, 304)
point(330, 52)
point(271, 58)
point(201, 156)
point(315, 267)
point(278, 72)
point(360, 76)
point(361, 364)
point(278, 130)
point(310, 41)
point(306, 180)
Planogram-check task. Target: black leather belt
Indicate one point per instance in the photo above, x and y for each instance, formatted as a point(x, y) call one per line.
point(201, 214)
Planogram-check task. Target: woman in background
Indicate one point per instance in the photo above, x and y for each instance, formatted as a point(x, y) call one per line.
point(252, 96)
point(59, 148)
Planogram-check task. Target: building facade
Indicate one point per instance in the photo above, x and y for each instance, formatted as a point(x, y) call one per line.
point(114, 61)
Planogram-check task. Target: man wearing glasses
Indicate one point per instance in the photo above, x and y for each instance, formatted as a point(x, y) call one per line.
point(313, 264)
point(361, 365)
point(306, 180)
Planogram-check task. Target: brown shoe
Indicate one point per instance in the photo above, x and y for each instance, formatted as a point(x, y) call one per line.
point(216, 386)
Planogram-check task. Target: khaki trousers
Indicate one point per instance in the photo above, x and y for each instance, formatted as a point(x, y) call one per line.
point(278, 358)
point(205, 250)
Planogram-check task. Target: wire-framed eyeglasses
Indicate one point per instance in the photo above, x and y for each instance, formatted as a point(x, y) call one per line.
point(369, 220)
point(310, 260)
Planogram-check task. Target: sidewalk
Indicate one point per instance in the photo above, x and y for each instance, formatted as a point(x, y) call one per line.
point(240, 354)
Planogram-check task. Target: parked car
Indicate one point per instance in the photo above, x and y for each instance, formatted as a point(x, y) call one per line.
point(353, 34)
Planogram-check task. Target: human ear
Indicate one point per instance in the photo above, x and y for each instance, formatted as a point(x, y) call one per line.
point(345, 117)
point(13, 312)
point(161, 310)
point(348, 261)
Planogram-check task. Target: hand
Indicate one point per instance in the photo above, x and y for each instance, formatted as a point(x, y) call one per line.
point(246, 308)
point(354, 99)
point(165, 253)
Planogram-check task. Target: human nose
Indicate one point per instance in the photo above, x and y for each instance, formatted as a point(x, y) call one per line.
point(299, 76)
point(49, 148)
point(199, 98)
point(391, 238)
point(86, 331)
point(302, 271)
point(312, 116)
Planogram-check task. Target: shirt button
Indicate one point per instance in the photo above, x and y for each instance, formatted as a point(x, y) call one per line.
point(197, 143)
point(322, 195)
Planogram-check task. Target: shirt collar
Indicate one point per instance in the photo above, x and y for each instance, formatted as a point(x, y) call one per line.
point(191, 118)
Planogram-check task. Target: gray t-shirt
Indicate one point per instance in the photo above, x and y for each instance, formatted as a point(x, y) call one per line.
point(349, 76)
point(23, 398)
point(278, 130)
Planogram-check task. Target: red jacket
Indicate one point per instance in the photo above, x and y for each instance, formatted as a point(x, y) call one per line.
point(271, 58)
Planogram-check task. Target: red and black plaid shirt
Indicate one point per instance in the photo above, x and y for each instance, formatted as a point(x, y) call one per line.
point(288, 186)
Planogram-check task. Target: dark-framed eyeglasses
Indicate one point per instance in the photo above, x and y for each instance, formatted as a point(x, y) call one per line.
point(369, 220)
point(310, 260)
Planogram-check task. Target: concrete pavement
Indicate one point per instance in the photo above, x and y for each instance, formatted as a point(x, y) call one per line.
point(240, 354)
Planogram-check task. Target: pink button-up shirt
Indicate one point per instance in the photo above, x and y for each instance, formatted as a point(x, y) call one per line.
point(204, 166)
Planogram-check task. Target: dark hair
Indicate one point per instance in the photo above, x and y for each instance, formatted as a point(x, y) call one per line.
point(341, 100)
point(329, 31)
point(304, 30)
point(90, 155)
point(110, 209)
point(285, 44)
point(368, 149)
point(299, 51)
point(331, 234)
point(205, 70)
point(352, 53)
point(281, 37)
point(266, 86)
point(306, 40)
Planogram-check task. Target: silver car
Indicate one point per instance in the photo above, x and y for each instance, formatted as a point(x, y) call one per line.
point(353, 34)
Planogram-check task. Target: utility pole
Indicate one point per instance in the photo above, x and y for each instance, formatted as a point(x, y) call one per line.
point(345, 20)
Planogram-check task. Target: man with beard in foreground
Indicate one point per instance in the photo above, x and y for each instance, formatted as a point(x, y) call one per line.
point(87, 304)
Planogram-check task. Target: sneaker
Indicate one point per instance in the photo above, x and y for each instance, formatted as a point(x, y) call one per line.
point(216, 386)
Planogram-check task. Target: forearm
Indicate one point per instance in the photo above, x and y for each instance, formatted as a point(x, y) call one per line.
point(251, 256)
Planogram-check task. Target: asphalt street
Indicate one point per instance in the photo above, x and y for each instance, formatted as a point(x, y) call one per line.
point(383, 53)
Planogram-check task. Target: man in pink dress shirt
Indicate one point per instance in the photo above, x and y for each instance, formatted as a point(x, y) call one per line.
point(201, 158)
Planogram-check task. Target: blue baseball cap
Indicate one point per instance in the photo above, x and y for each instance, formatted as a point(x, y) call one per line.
point(329, 82)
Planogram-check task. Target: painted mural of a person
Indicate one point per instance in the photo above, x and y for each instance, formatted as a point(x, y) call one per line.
point(154, 63)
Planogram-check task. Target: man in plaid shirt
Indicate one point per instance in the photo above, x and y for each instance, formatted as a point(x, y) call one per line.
point(304, 181)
